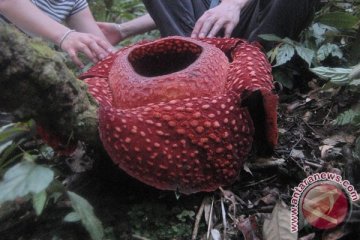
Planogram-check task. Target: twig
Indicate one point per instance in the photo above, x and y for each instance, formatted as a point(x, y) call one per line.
point(311, 128)
point(137, 237)
point(261, 181)
point(261, 163)
point(313, 164)
point(197, 219)
point(265, 209)
point(297, 142)
point(210, 218)
point(223, 213)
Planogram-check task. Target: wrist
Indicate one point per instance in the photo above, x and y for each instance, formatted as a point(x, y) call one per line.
point(64, 36)
point(123, 30)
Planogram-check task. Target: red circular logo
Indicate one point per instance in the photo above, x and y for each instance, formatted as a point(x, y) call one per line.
point(325, 206)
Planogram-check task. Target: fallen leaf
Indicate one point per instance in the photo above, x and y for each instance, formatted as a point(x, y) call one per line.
point(246, 227)
point(329, 152)
point(291, 107)
point(297, 154)
point(307, 116)
point(278, 226)
point(282, 130)
point(247, 169)
point(79, 161)
point(215, 234)
point(339, 139)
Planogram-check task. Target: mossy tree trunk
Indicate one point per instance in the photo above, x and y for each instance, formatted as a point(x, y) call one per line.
point(35, 81)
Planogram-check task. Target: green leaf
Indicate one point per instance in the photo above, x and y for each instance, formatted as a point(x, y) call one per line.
point(285, 53)
point(305, 53)
point(321, 31)
point(39, 201)
point(338, 76)
point(87, 216)
point(185, 214)
point(327, 50)
point(270, 37)
point(11, 132)
point(355, 72)
point(274, 38)
point(272, 54)
point(348, 117)
point(72, 217)
point(355, 82)
point(284, 77)
point(24, 178)
point(5, 150)
point(339, 20)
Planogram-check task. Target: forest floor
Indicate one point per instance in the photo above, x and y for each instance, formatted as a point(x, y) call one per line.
point(308, 143)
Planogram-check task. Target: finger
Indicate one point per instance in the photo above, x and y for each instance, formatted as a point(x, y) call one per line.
point(97, 51)
point(198, 25)
point(215, 28)
point(101, 24)
point(206, 28)
point(105, 45)
point(229, 28)
point(73, 56)
point(88, 52)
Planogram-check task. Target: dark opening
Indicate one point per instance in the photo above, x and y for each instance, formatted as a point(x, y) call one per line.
point(254, 102)
point(162, 58)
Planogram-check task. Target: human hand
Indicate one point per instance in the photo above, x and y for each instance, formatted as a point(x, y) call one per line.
point(112, 32)
point(92, 46)
point(224, 16)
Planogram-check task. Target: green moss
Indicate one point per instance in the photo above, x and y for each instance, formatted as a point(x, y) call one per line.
point(42, 49)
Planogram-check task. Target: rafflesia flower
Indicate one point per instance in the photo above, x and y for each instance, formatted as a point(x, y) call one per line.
point(182, 114)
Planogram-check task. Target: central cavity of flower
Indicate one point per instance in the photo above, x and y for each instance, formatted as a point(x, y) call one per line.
point(167, 70)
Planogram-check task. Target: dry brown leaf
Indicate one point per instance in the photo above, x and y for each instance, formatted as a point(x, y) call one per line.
point(215, 234)
point(282, 130)
point(79, 161)
point(260, 163)
point(269, 199)
point(341, 138)
point(291, 107)
point(307, 116)
point(278, 225)
point(207, 210)
point(329, 152)
point(247, 169)
point(297, 154)
point(247, 228)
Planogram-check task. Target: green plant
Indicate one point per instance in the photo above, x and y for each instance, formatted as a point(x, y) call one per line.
point(28, 174)
point(327, 49)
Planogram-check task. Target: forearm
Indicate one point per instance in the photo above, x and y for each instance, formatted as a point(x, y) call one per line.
point(84, 21)
point(137, 26)
point(29, 18)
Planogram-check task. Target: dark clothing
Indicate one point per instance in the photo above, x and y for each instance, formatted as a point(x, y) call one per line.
point(284, 18)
